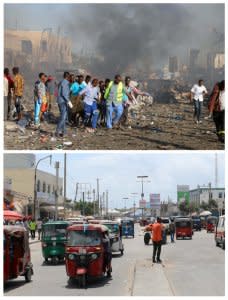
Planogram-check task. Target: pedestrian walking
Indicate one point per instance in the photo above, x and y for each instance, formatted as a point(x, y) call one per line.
point(172, 231)
point(10, 92)
point(157, 229)
point(217, 109)
point(39, 227)
point(39, 97)
point(32, 227)
point(18, 91)
point(6, 93)
point(63, 101)
point(51, 85)
point(198, 91)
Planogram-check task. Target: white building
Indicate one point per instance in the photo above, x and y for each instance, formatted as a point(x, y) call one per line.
point(205, 193)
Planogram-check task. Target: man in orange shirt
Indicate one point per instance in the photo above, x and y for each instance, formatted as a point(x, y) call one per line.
point(157, 229)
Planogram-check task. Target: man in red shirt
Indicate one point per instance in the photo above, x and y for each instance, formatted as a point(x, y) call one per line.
point(157, 229)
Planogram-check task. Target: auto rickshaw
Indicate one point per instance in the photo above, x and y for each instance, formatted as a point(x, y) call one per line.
point(17, 259)
point(85, 253)
point(211, 223)
point(196, 223)
point(183, 228)
point(220, 232)
point(128, 228)
point(115, 236)
point(53, 240)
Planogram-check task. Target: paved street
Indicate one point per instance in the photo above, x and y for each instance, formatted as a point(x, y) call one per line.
point(190, 268)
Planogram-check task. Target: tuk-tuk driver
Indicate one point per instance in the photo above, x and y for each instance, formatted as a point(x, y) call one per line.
point(107, 250)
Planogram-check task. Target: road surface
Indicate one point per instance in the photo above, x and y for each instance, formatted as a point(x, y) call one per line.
point(190, 268)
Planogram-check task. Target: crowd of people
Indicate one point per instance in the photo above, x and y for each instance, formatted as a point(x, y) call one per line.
point(90, 102)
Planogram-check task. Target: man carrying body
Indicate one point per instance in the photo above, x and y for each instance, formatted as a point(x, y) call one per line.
point(217, 108)
point(114, 101)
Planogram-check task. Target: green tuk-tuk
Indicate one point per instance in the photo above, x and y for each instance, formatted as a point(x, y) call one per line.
point(53, 240)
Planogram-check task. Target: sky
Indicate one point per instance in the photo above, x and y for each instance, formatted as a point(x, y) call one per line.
point(118, 172)
point(124, 34)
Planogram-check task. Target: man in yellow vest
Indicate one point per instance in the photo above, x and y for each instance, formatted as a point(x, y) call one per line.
point(114, 101)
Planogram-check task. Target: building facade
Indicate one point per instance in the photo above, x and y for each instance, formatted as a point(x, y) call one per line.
point(19, 186)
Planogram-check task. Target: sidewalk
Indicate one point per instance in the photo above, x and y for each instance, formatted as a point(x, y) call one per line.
point(33, 241)
point(150, 280)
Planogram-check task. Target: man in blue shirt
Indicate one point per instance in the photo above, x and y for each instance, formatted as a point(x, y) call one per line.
point(63, 101)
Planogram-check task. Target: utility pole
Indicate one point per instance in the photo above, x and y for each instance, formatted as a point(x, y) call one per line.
point(64, 203)
point(83, 203)
point(94, 202)
point(98, 196)
point(57, 189)
point(142, 194)
point(106, 203)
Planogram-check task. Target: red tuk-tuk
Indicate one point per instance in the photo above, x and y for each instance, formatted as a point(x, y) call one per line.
point(17, 259)
point(85, 253)
point(211, 223)
point(183, 228)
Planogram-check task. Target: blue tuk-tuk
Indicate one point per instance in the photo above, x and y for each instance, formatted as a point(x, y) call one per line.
point(128, 228)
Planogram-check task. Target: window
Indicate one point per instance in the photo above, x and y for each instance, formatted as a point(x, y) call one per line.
point(26, 46)
point(49, 189)
point(44, 187)
point(44, 46)
point(38, 186)
point(220, 195)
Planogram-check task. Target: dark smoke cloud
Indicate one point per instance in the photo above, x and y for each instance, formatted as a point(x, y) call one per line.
point(133, 34)
point(126, 34)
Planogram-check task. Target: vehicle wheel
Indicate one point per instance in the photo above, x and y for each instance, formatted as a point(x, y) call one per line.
point(46, 260)
point(55, 260)
point(82, 281)
point(217, 243)
point(223, 246)
point(121, 251)
point(28, 275)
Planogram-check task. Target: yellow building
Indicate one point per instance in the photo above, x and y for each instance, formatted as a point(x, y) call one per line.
point(36, 48)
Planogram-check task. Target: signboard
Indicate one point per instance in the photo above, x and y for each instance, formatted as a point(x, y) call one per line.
point(155, 202)
point(142, 203)
point(183, 194)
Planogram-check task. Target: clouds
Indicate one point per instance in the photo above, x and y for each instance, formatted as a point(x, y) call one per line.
point(119, 171)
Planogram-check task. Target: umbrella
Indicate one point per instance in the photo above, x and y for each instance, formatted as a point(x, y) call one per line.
point(205, 213)
point(11, 215)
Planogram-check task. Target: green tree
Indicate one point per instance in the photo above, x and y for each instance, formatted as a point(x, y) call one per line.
point(184, 207)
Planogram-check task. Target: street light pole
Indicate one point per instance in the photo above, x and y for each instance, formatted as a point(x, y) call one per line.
point(35, 204)
point(57, 189)
point(64, 203)
point(134, 194)
point(142, 194)
point(125, 208)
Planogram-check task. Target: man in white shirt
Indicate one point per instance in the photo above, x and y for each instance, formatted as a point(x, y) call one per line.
point(91, 95)
point(197, 93)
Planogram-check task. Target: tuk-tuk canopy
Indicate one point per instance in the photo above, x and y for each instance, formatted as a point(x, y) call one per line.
point(84, 227)
point(10, 215)
point(183, 221)
point(56, 223)
point(14, 230)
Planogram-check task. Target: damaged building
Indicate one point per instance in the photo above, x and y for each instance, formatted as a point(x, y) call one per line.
point(32, 50)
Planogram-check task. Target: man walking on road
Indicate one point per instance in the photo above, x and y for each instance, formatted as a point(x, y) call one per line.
point(157, 240)
point(172, 231)
point(198, 91)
